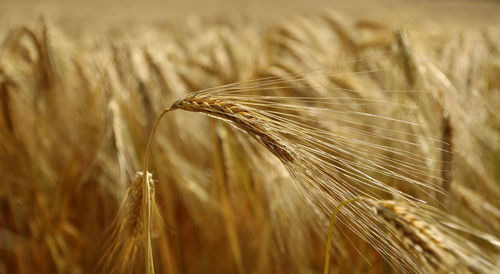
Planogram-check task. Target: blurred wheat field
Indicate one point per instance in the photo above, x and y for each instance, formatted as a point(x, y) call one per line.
point(297, 117)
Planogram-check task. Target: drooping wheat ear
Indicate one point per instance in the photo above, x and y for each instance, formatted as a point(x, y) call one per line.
point(434, 245)
point(427, 236)
point(241, 116)
point(417, 236)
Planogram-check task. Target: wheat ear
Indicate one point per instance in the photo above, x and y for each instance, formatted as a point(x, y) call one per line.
point(430, 239)
point(425, 240)
point(241, 116)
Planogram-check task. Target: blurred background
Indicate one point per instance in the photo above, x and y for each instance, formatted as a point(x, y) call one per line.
point(99, 13)
point(82, 82)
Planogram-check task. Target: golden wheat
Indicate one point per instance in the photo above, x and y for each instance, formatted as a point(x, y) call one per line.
point(401, 117)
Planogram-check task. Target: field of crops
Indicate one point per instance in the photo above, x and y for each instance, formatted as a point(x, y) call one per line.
point(349, 138)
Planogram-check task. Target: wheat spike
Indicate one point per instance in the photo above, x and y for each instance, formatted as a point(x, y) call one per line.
point(241, 116)
point(132, 228)
point(430, 242)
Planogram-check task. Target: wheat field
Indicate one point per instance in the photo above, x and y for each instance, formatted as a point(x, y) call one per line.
point(328, 141)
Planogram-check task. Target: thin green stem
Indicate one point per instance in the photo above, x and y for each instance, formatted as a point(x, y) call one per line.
point(330, 231)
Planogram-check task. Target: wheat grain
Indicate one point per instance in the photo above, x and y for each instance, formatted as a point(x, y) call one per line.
point(437, 248)
point(241, 116)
